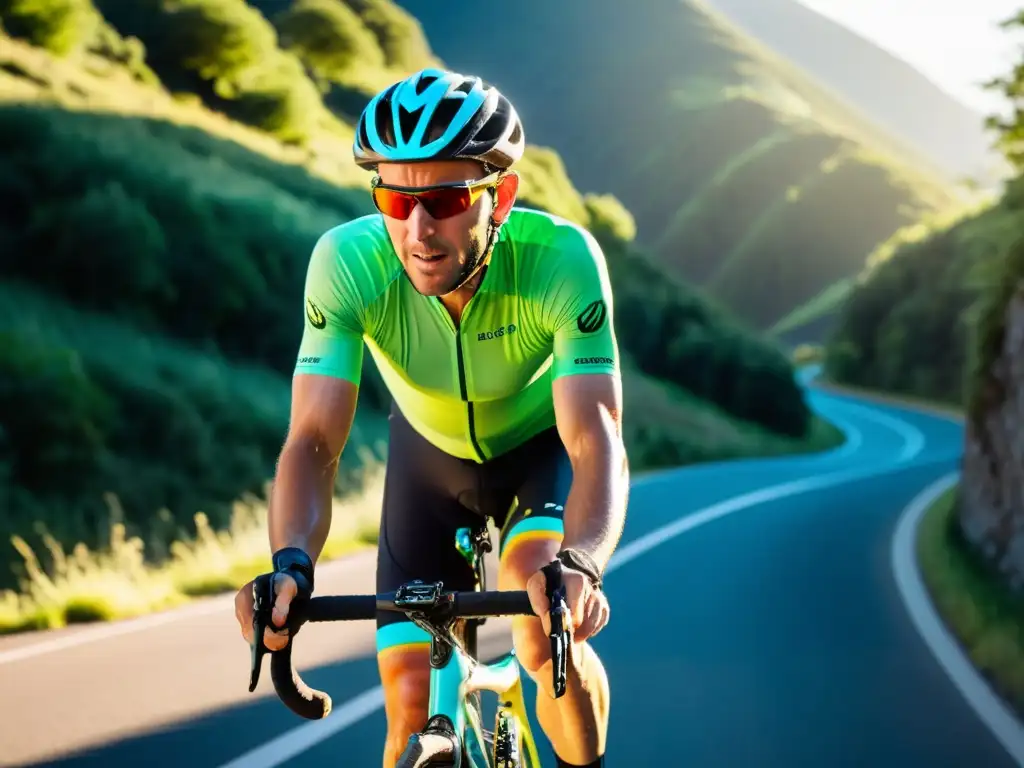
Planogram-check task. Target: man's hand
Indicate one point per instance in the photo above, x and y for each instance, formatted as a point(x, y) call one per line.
point(587, 608)
point(285, 590)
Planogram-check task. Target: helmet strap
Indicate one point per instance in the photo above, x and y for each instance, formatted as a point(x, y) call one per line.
point(492, 231)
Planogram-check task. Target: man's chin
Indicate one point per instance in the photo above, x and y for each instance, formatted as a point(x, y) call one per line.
point(431, 286)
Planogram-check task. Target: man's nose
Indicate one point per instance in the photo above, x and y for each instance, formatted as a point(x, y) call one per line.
point(420, 223)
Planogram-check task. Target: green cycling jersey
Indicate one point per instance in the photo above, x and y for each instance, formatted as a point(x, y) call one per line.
point(480, 388)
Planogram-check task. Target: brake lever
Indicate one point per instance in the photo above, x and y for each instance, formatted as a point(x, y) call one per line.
point(263, 605)
point(559, 640)
point(559, 635)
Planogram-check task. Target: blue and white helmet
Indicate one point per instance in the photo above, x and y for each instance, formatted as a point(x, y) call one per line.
point(439, 115)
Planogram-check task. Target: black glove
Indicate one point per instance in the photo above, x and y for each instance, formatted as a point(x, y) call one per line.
point(580, 561)
point(297, 564)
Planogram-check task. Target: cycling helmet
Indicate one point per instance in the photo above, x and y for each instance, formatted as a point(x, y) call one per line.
point(439, 115)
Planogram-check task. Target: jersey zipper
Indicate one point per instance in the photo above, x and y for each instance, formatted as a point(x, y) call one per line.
point(463, 388)
point(465, 394)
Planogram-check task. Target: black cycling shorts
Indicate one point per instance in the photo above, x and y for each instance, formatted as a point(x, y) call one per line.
point(429, 494)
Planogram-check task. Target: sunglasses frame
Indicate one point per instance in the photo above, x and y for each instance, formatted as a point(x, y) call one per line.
point(475, 187)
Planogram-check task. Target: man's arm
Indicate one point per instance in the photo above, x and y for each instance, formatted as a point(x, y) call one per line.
point(322, 411)
point(588, 410)
point(587, 392)
point(325, 389)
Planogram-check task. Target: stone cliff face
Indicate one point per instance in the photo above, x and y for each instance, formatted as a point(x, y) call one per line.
point(992, 488)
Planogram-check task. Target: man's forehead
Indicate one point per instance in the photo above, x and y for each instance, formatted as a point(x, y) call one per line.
point(434, 172)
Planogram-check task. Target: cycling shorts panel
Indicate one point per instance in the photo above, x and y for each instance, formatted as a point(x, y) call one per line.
point(429, 494)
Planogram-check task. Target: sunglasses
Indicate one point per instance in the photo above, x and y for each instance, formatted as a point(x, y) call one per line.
point(441, 201)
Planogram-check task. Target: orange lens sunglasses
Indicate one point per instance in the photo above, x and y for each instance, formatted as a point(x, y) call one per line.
point(441, 201)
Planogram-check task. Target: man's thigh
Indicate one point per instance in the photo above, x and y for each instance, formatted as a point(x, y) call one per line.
point(532, 535)
point(534, 526)
point(419, 518)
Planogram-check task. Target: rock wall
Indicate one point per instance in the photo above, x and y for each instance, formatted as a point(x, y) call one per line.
point(992, 489)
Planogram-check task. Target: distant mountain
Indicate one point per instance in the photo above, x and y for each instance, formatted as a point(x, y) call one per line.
point(886, 88)
point(744, 175)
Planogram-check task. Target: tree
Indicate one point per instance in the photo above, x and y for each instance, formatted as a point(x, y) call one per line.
point(329, 37)
point(60, 26)
point(399, 32)
point(1010, 129)
point(219, 40)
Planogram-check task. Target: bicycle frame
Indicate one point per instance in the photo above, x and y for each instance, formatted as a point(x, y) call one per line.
point(451, 686)
point(455, 673)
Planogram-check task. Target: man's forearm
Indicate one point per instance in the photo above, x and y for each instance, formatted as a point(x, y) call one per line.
point(300, 504)
point(595, 511)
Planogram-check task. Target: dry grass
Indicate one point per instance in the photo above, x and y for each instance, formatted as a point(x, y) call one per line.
point(118, 583)
point(984, 616)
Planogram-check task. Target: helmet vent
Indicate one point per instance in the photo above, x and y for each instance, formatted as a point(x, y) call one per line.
point(425, 82)
point(465, 87)
point(442, 119)
point(407, 120)
point(382, 121)
point(491, 130)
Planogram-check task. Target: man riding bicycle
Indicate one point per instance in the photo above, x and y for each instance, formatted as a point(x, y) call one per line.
point(492, 327)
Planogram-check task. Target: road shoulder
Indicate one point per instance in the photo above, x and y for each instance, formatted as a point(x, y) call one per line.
point(923, 566)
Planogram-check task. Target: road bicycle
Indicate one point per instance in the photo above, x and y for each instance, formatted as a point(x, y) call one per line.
point(454, 736)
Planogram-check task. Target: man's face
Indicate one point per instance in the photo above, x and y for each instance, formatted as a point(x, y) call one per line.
point(436, 253)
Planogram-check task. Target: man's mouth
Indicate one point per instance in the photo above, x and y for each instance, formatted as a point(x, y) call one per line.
point(429, 257)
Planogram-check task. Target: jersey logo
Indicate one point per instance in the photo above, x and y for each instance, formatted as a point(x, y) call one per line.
point(497, 333)
point(592, 318)
point(316, 317)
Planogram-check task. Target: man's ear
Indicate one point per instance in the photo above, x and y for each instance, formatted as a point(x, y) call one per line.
point(506, 191)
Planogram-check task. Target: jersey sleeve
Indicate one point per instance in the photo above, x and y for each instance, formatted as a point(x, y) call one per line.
point(332, 337)
point(581, 310)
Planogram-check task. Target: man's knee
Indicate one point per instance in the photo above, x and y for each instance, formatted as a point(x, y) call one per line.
point(405, 677)
point(518, 564)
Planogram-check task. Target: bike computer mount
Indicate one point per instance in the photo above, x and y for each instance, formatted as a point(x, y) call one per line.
point(431, 610)
point(418, 596)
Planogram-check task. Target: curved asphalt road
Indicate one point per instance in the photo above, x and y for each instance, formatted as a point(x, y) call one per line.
point(765, 628)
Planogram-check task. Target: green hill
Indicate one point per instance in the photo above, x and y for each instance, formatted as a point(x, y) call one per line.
point(929, 121)
point(911, 323)
point(927, 316)
point(163, 195)
point(744, 174)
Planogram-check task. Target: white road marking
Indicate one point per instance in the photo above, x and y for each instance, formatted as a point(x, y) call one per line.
point(990, 708)
point(298, 740)
point(105, 631)
point(913, 438)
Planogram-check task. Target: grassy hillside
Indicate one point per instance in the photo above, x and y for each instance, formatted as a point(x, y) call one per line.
point(918, 320)
point(744, 174)
point(152, 248)
point(888, 90)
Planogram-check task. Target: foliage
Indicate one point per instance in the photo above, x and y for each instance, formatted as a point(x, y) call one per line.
point(398, 32)
point(60, 26)
point(675, 334)
point(227, 53)
point(329, 37)
point(1009, 128)
point(608, 216)
point(928, 317)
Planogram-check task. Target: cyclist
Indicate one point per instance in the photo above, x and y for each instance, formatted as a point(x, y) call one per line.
point(492, 327)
